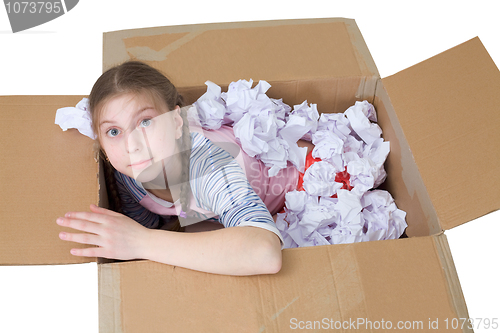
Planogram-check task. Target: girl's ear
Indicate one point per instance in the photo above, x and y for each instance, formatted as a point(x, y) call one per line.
point(178, 122)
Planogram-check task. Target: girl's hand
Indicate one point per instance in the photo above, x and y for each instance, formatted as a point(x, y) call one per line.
point(117, 236)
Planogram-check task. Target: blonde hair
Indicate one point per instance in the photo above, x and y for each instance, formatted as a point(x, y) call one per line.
point(143, 80)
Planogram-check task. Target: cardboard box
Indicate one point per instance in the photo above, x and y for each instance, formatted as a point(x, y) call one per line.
point(427, 112)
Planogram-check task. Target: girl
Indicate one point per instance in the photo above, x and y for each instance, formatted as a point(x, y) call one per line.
point(163, 168)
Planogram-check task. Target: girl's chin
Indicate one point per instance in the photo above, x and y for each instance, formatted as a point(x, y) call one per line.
point(149, 174)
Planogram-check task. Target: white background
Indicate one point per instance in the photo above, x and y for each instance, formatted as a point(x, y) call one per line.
point(63, 57)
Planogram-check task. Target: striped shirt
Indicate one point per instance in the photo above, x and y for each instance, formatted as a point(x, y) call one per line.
point(220, 189)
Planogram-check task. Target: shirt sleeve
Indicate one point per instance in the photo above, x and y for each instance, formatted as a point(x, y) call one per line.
point(130, 203)
point(220, 185)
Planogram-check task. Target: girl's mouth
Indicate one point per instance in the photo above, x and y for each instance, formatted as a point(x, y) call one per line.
point(141, 164)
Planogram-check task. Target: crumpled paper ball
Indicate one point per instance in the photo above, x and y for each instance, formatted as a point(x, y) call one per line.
point(76, 117)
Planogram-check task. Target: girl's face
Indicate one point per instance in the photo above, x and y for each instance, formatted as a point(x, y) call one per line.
point(137, 138)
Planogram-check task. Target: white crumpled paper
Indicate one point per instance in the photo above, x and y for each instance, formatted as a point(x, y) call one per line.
point(338, 204)
point(76, 117)
point(265, 127)
point(212, 109)
point(319, 179)
point(346, 219)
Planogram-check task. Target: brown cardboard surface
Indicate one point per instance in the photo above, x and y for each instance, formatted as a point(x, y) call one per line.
point(448, 108)
point(403, 179)
point(399, 280)
point(297, 52)
point(44, 173)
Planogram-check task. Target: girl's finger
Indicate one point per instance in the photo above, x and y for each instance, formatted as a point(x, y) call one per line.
point(82, 238)
point(97, 209)
point(88, 216)
point(88, 252)
point(82, 225)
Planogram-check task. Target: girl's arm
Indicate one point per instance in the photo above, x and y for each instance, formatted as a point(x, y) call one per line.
point(234, 251)
point(242, 250)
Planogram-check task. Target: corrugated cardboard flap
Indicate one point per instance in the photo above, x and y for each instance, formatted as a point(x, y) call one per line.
point(408, 281)
point(449, 109)
point(44, 173)
point(310, 57)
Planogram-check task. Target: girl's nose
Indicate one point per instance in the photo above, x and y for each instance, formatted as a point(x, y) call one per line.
point(136, 141)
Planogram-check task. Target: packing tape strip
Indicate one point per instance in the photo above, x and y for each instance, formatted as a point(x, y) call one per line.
point(110, 318)
point(454, 290)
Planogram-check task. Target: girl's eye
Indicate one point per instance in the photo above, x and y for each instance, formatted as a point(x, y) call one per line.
point(113, 132)
point(145, 123)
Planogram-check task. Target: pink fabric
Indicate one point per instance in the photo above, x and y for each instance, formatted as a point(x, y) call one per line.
point(148, 203)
